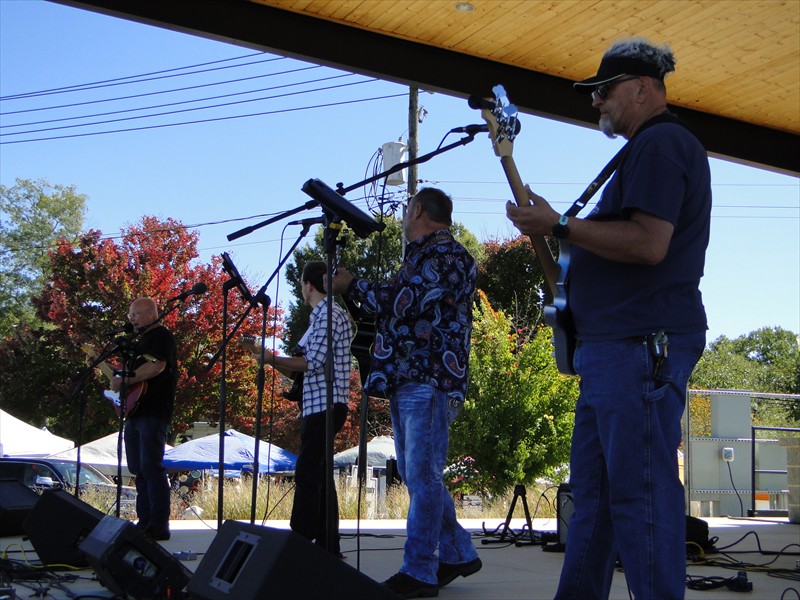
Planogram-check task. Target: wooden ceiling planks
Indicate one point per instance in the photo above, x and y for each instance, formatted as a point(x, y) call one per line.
point(736, 59)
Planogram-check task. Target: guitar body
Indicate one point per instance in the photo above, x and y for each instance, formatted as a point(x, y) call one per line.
point(557, 315)
point(135, 391)
point(132, 401)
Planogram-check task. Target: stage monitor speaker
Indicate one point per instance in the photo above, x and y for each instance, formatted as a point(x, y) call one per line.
point(16, 502)
point(249, 562)
point(57, 525)
point(564, 510)
point(130, 564)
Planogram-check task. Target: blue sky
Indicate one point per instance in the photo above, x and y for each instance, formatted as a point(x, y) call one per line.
point(225, 173)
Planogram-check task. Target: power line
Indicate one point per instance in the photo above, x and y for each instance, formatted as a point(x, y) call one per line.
point(142, 95)
point(99, 85)
point(211, 120)
point(128, 110)
point(186, 110)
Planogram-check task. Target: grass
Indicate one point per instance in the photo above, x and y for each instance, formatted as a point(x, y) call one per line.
point(237, 503)
point(279, 495)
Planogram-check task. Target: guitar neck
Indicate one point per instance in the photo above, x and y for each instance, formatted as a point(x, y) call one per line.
point(545, 257)
point(104, 367)
point(106, 370)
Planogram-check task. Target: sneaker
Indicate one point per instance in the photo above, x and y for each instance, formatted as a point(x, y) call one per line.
point(405, 586)
point(448, 572)
point(159, 535)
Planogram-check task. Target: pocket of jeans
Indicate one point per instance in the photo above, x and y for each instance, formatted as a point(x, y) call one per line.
point(657, 393)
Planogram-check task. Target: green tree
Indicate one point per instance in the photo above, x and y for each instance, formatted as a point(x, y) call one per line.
point(513, 281)
point(33, 215)
point(765, 360)
point(517, 420)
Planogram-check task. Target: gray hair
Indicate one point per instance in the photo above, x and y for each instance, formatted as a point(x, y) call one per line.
point(636, 47)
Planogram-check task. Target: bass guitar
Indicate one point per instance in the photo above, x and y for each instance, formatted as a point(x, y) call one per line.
point(501, 118)
point(135, 391)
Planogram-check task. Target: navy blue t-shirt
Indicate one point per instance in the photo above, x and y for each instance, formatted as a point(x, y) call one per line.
point(666, 174)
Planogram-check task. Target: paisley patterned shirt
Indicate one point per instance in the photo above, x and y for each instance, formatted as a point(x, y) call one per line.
point(424, 318)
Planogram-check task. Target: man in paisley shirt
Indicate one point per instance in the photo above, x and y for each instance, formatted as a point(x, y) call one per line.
point(420, 361)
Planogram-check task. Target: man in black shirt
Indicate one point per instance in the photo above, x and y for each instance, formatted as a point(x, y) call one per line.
point(155, 370)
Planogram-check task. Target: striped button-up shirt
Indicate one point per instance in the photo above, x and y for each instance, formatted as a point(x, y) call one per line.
point(314, 346)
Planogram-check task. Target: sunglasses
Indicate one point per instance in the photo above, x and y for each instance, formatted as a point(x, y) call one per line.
point(602, 91)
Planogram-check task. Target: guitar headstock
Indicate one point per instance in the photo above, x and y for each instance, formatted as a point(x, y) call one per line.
point(501, 117)
point(251, 343)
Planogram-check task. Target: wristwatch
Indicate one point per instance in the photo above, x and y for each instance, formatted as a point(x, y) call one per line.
point(560, 229)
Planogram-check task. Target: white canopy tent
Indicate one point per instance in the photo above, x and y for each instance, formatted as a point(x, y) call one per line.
point(100, 453)
point(379, 450)
point(18, 438)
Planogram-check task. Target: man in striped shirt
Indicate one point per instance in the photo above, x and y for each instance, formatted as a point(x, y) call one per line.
point(309, 509)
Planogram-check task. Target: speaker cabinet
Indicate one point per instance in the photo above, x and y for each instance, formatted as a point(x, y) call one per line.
point(57, 525)
point(131, 565)
point(249, 562)
point(16, 502)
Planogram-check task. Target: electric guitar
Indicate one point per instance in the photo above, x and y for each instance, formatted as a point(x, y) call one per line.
point(135, 391)
point(501, 118)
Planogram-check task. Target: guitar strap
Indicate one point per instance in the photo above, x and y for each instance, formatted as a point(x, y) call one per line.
point(608, 170)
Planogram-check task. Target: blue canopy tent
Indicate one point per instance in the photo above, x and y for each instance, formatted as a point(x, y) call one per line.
point(203, 453)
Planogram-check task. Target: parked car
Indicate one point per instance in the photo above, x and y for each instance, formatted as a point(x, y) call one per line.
point(41, 474)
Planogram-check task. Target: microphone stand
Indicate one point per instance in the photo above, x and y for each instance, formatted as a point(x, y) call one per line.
point(81, 378)
point(332, 228)
point(402, 165)
point(264, 300)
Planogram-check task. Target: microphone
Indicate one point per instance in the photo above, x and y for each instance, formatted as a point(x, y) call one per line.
point(471, 129)
point(198, 288)
point(127, 328)
point(308, 222)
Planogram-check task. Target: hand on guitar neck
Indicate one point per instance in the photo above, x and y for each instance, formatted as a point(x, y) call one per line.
point(534, 219)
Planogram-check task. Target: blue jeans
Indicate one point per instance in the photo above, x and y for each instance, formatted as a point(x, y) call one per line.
point(421, 421)
point(144, 446)
point(623, 470)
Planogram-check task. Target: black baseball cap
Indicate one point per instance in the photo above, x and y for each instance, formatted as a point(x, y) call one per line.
point(614, 67)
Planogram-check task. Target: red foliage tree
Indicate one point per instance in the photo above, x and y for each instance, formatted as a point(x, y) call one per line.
point(95, 280)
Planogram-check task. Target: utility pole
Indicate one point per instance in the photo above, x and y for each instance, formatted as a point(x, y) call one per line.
point(413, 144)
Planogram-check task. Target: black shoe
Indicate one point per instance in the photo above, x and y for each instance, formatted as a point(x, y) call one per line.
point(405, 586)
point(159, 535)
point(448, 572)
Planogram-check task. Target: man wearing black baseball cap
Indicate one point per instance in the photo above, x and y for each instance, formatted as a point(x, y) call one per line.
point(633, 296)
